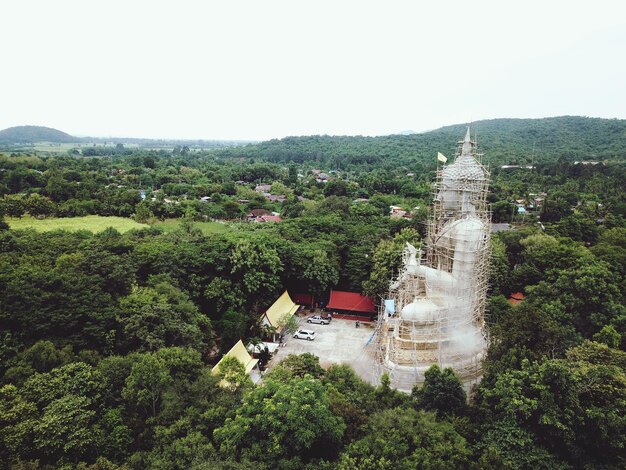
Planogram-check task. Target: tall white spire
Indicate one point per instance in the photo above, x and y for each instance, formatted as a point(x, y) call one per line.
point(467, 144)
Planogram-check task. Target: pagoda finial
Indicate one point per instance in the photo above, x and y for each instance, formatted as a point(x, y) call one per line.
point(466, 149)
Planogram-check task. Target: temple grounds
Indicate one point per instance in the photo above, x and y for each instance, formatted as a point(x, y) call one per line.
point(340, 342)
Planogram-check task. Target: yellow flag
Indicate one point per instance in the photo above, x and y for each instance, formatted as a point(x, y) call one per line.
point(441, 157)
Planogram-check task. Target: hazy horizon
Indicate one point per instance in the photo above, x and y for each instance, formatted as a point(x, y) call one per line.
point(405, 132)
point(246, 70)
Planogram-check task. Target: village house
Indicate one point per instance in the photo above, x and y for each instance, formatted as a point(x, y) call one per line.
point(322, 178)
point(263, 215)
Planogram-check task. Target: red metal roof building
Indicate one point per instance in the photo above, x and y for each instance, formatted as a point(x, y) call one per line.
point(350, 301)
point(302, 299)
point(516, 298)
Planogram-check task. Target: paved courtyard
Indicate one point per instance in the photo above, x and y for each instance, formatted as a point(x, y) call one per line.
point(340, 342)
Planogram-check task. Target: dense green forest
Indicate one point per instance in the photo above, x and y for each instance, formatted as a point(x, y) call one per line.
point(504, 141)
point(107, 340)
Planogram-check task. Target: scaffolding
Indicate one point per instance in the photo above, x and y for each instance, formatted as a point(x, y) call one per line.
point(434, 311)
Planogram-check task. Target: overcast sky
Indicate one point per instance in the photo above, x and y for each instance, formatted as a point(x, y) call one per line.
point(264, 69)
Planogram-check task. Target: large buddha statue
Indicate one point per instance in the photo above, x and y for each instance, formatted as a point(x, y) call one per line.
point(459, 232)
point(439, 297)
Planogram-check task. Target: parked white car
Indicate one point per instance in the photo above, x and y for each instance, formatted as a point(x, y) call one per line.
point(305, 334)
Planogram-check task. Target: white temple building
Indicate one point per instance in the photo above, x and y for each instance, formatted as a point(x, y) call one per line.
point(434, 312)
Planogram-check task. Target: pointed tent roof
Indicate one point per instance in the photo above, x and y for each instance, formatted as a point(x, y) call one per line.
point(283, 306)
point(239, 352)
point(353, 301)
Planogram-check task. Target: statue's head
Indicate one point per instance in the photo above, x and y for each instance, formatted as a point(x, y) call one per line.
point(463, 181)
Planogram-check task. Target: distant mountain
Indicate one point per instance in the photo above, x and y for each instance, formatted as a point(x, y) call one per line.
point(501, 140)
point(21, 135)
point(30, 134)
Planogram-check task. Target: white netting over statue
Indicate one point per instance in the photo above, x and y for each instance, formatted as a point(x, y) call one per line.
point(434, 313)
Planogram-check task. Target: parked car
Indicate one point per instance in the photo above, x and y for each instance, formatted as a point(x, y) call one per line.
point(318, 319)
point(305, 334)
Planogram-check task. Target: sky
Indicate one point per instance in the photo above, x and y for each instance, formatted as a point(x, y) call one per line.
point(263, 69)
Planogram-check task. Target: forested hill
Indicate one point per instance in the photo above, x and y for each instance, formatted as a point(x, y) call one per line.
point(33, 134)
point(504, 141)
point(29, 134)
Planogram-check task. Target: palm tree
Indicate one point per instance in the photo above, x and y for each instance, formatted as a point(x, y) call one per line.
point(267, 331)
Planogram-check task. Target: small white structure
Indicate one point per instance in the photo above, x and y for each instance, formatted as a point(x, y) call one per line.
point(259, 348)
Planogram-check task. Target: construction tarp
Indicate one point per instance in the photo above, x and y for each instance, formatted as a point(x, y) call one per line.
point(239, 352)
point(390, 306)
point(351, 301)
point(282, 309)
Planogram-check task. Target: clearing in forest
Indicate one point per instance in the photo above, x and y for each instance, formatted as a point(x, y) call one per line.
point(91, 223)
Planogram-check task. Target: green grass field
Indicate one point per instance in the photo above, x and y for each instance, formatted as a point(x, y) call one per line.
point(97, 223)
point(92, 223)
point(207, 228)
point(53, 147)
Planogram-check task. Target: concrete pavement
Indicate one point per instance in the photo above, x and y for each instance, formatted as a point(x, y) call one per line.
point(340, 342)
